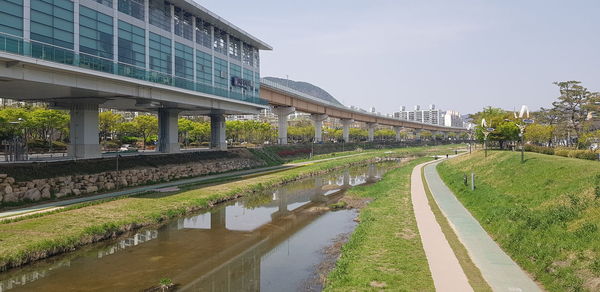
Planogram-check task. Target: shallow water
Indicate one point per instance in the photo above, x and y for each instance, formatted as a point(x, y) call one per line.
point(271, 241)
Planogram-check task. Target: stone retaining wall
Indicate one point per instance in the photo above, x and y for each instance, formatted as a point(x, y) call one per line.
point(12, 191)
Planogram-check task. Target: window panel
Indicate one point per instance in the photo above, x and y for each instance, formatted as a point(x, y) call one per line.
point(52, 22)
point(132, 44)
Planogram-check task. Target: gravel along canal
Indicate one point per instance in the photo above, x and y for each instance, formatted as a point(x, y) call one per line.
point(276, 240)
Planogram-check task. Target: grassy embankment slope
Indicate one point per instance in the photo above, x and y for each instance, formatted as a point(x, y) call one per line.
point(544, 213)
point(385, 250)
point(33, 238)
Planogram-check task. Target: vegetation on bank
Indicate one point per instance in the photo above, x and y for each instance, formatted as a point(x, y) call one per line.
point(565, 152)
point(63, 231)
point(543, 213)
point(385, 250)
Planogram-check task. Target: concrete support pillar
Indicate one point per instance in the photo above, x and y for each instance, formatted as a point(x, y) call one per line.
point(398, 130)
point(84, 133)
point(217, 132)
point(318, 122)
point(282, 118)
point(371, 129)
point(168, 131)
point(346, 123)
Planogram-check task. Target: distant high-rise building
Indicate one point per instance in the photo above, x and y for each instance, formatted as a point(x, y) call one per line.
point(432, 115)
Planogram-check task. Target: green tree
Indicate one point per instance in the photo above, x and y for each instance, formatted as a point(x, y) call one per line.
point(109, 123)
point(573, 105)
point(185, 126)
point(539, 134)
point(385, 134)
point(146, 126)
point(44, 124)
point(426, 135)
point(505, 128)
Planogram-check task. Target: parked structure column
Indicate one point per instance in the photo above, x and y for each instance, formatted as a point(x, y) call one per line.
point(318, 122)
point(398, 130)
point(168, 130)
point(282, 113)
point(84, 132)
point(346, 123)
point(217, 132)
point(371, 130)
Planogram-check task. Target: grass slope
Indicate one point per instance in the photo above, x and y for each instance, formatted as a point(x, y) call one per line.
point(544, 213)
point(33, 238)
point(385, 250)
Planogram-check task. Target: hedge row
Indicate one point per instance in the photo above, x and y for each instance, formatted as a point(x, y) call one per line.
point(565, 152)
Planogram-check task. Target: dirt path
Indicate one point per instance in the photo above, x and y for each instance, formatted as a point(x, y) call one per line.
point(446, 271)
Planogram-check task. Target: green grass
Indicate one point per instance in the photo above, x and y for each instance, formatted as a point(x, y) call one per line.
point(544, 213)
point(38, 237)
point(385, 250)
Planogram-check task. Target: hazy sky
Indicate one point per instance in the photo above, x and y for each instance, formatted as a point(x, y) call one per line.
point(458, 54)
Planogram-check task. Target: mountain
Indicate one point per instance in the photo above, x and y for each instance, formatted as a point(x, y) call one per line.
point(307, 88)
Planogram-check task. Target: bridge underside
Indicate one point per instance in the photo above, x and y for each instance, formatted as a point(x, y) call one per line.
point(83, 92)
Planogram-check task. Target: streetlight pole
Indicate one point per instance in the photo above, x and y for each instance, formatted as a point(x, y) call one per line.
point(524, 116)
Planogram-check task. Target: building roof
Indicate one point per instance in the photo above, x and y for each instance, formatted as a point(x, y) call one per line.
point(209, 16)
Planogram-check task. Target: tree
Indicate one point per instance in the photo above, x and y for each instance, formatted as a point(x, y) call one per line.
point(426, 135)
point(505, 128)
point(45, 123)
point(573, 104)
point(146, 126)
point(109, 123)
point(539, 133)
point(185, 127)
point(385, 134)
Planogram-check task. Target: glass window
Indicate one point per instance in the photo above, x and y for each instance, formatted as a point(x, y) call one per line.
point(184, 61)
point(203, 33)
point(256, 58)
point(132, 45)
point(235, 72)
point(247, 52)
point(11, 13)
point(203, 67)
point(220, 43)
point(108, 3)
point(234, 48)
point(160, 14)
point(183, 23)
point(160, 53)
point(221, 75)
point(95, 33)
point(134, 8)
point(52, 22)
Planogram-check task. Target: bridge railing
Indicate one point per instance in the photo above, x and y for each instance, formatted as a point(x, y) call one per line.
point(39, 50)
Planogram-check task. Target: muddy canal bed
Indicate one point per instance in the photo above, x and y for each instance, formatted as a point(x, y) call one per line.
point(270, 241)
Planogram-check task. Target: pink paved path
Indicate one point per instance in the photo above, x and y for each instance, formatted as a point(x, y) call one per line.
point(447, 273)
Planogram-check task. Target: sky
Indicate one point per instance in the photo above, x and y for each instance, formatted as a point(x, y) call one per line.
point(460, 55)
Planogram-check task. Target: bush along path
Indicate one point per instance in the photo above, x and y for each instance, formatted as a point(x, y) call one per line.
point(81, 224)
point(544, 213)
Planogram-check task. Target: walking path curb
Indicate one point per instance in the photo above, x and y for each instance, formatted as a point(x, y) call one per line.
point(445, 269)
point(497, 268)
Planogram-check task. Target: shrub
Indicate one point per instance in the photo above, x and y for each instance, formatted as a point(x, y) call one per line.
point(129, 139)
point(539, 149)
point(562, 152)
point(586, 154)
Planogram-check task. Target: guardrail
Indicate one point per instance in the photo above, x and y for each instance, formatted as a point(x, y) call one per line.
point(39, 50)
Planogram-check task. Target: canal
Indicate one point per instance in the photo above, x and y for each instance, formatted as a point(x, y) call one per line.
point(269, 241)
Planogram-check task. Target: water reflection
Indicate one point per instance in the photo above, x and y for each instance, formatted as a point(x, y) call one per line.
point(221, 250)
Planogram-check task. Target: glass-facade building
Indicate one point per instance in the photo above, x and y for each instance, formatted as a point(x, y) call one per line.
point(176, 43)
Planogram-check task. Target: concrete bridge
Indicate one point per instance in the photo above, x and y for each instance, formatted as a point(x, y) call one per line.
point(285, 101)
